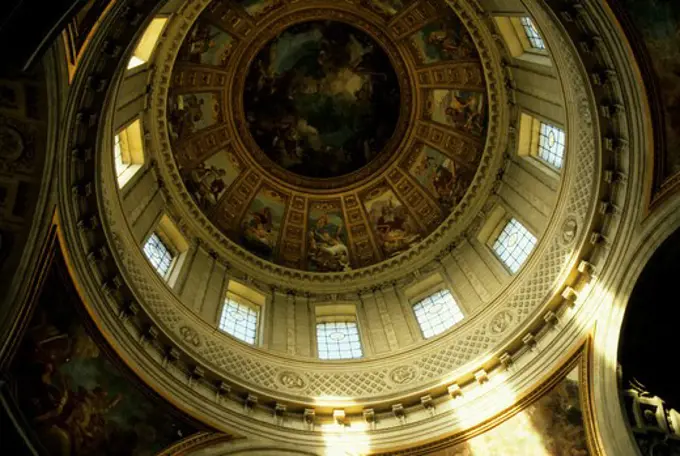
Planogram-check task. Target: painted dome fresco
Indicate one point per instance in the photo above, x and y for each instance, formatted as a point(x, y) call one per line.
point(327, 137)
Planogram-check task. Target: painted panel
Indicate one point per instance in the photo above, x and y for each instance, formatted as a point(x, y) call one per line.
point(440, 176)
point(657, 23)
point(394, 228)
point(258, 8)
point(443, 40)
point(387, 8)
point(208, 181)
point(206, 44)
point(76, 398)
point(322, 99)
point(261, 225)
point(192, 112)
point(327, 238)
point(462, 110)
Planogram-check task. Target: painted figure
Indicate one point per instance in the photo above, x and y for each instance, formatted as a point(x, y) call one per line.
point(440, 176)
point(189, 113)
point(462, 110)
point(257, 8)
point(206, 44)
point(327, 249)
point(442, 41)
point(393, 226)
point(388, 8)
point(322, 99)
point(208, 185)
point(76, 401)
point(257, 230)
point(261, 224)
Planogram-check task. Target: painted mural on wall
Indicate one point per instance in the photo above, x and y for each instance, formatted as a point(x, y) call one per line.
point(192, 112)
point(210, 179)
point(257, 8)
point(443, 40)
point(261, 225)
point(440, 177)
point(394, 228)
point(77, 401)
point(322, 99)
point(462, 110)
point(327, 238)
point(206, 44)
point(658, 22)
point(387, 8)
point(551, 426)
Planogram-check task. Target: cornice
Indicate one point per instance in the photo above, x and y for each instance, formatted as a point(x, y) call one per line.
point(144, 321)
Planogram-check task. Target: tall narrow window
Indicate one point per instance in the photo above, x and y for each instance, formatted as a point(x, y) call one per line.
point(551, 145)
point(338, 340)
point(128, 152)
point(532, 33)
point(239, 320)
point(159, 254)
point(514, 245)
point(437, 313)
point(147, 43)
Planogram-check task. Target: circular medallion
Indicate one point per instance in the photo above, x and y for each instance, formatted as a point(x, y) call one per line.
point(569, 229)
point(501, 321)
point(403, 374)
point(291, 380)
point(321, 99)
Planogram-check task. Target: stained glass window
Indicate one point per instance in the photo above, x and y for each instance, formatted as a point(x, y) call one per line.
point(437, 313)
point(551, 145)
point(338, 340)
point(158, 254)
point(514, 245)
point(239, 320)
point(532, 33)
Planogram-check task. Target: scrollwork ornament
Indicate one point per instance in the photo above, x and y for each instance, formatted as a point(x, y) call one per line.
point(291, 380)
point(569, 230)
point(501, 321)
point(403, 374)
point(190, 336)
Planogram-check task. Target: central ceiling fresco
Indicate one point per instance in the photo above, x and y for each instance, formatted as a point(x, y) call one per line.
point(322, 99)
point(327, 136)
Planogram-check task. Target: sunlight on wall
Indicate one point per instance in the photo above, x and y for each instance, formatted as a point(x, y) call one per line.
point(346, 440)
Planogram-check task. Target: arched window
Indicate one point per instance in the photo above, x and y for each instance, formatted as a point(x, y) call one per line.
point(437, 313)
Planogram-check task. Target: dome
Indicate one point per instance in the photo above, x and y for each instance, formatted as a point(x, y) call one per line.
point(319, 139)
point(381, 224)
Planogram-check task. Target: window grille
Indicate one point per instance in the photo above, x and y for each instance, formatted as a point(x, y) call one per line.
point(338, 340)
point(514, 245)
point(437, 313)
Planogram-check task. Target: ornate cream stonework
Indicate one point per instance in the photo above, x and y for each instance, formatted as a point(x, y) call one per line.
point(169, 343)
